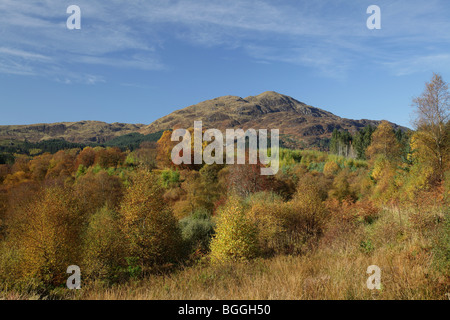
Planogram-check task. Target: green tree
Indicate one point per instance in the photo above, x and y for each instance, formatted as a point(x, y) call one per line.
point(341, 143)
point(362, 141)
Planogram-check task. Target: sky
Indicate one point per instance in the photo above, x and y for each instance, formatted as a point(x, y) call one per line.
point(135, 61)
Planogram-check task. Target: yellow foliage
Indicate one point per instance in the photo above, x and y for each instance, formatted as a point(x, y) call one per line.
point(103, 246)
point(384, 143)
point(48, 233)
point(148, 222)
point(331, 168)
point(266, 214)
point(236, 235)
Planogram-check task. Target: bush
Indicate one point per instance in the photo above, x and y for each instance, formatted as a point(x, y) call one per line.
point(341, 187)
point(305, 218)
point(48, 233)
point(236, 236)
point(148, 223)
point(197, 230)
point(10, 259)
point(170, 178)
point(266, 213)
point(103, 247)
point(331, 168)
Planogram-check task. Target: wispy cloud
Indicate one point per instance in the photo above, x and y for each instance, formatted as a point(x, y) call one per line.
point(409, 66)
point(325, 35)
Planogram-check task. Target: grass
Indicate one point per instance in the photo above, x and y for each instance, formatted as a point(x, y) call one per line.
point(335, 269)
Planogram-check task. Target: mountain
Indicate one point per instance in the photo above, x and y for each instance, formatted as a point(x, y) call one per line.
point(78, 132)
point(299, 124)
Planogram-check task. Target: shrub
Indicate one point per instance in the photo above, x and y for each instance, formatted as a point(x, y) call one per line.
point(266, 213)
point(10, 259)
point(197, 230)
point(331, 168)
point(48, 232)
point(341, 187)
point(103, 246)
point(236, 236)
point(148, 223)
point(170, 178)
point(306, 216)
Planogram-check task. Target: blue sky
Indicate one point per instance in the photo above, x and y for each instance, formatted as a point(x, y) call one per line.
point(135, 61)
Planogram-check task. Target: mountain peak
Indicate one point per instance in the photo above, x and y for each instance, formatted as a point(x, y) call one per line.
point(299, 124)
point(270, 94)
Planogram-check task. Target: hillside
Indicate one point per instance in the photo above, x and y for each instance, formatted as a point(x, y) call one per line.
point(300, 124)
point(77, 132)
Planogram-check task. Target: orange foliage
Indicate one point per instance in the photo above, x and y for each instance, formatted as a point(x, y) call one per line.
point(164, 149)
point(39, 166)
point(110, 157)
point(62, 164)
point(95, 191)
point(86, 157)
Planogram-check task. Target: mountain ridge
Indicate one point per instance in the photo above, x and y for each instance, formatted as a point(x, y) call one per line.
point(300, 124)
point(86, 131)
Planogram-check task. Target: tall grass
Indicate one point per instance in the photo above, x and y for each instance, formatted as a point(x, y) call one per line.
point(402, 244)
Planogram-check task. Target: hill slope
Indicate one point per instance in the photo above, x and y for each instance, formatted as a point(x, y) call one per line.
point(78, 132)
point(299, 124)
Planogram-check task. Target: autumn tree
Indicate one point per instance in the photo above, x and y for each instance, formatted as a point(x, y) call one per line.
point(86, 158)
point(4, 171)
point(165, 146)
point(39, 166)
point(62, 164)
point(145, 156)
point(3, 208)
point(48, 231)
point(236, 237)
point(245, 179)
point(96, 190)
point(109, 157)
point(148, 222)
point(384, 142)
point(21, 164)
point(104, 246)
point(433, 114)
point(164, 149)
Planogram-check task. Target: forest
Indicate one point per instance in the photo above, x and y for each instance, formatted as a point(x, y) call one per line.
point(140, 227)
